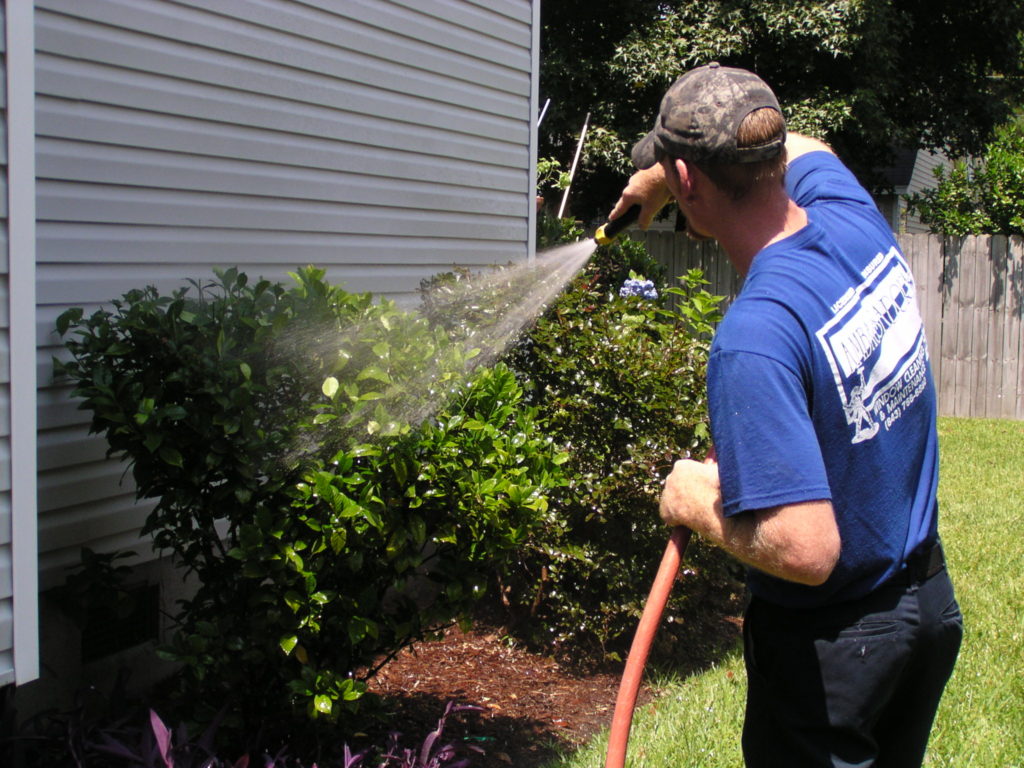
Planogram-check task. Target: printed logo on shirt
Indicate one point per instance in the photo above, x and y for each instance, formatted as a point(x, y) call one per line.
point(876, 348)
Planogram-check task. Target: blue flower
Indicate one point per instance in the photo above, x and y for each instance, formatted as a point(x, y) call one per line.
point(643, 288)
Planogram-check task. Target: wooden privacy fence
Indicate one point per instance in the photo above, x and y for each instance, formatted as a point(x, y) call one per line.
point(971, 293)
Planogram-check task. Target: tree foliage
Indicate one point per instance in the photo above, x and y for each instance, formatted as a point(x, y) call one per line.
point(866, 75)
point(980, 197)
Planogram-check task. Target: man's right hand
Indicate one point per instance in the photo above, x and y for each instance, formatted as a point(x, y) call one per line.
point(648, 188)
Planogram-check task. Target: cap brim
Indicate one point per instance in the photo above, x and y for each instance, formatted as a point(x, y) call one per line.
point(643, 155)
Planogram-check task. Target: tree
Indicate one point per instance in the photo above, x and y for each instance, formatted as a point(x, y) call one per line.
point(865, 75)
point(980, 197)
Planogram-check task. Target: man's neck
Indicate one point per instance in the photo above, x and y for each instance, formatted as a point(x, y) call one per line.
point(749, 226)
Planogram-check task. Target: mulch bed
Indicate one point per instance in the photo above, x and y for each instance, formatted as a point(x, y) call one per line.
point(532, 707)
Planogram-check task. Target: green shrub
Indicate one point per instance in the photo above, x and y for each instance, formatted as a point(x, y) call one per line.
point(552, 231)
point(324, 465)
point(619, 383)
point(979, 197)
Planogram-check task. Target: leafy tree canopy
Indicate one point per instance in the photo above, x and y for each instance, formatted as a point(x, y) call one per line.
point(865, 75)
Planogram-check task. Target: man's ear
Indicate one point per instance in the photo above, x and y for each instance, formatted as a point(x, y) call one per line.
point(687, 179)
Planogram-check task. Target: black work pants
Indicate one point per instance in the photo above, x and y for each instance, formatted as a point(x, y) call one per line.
point(854, 684)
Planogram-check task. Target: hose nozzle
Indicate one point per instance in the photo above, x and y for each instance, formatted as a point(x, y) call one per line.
point(610, 230)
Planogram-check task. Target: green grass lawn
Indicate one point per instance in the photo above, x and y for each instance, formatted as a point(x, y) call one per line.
point(696, 721)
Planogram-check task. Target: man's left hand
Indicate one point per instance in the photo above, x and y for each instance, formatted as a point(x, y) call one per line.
point(649, 190)
point(692, 495)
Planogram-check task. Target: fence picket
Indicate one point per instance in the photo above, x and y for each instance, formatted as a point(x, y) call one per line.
point(980, 314)
point(964, 300)
point(932, 290)
point(1012, 406)
point(996, 319)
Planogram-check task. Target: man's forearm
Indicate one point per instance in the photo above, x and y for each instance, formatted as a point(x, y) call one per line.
point(798, 144)
point(796, 542)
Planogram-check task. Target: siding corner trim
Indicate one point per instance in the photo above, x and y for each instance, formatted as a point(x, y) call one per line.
point(20, 85)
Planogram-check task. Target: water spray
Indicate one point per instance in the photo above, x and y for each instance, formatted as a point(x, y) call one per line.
point(611, 229)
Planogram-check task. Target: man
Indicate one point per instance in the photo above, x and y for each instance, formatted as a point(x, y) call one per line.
point(822, 411)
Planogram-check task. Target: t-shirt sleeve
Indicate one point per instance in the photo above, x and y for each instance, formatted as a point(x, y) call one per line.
point(818, 177)
point(768, 454)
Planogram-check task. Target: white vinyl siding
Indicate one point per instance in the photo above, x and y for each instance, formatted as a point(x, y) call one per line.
point(385, 140)
point(922, 178)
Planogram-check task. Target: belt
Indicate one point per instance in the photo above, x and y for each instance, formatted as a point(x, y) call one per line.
point(925, 562)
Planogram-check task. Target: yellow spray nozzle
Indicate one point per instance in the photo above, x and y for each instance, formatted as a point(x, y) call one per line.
point(601, 238)
point(610, 230)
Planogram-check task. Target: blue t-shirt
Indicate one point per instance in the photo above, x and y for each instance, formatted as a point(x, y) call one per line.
point(820, 388)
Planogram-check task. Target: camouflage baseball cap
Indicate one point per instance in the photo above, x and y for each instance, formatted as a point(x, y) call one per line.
point(700, 115)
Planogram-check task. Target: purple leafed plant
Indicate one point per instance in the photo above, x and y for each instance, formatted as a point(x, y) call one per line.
point(433, 753)
point(160, 747)
point(155, 745)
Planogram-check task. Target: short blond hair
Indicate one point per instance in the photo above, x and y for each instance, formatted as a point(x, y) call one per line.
point(762, 126)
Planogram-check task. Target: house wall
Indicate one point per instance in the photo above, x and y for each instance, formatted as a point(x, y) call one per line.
point(911, 172)
point(923, 177)
point(385, 140)
point(382, 140)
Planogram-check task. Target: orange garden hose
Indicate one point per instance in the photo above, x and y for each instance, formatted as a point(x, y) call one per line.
point(625, 702)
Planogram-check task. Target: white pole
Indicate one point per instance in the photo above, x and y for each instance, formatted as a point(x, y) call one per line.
point(572, 172)
point(543, 112)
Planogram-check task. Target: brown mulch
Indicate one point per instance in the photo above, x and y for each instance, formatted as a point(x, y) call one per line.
point(532, 707)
